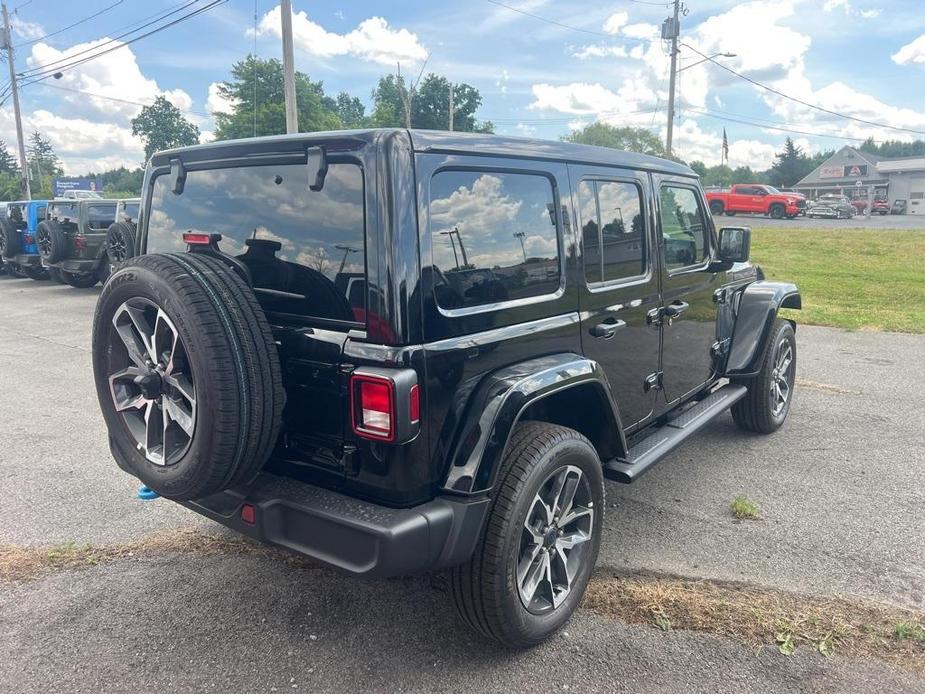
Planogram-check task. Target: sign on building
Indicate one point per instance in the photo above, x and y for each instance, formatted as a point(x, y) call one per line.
point(60, 186)
point(831, 171)
point(855, 170)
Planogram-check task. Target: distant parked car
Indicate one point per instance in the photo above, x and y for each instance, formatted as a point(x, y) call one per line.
point(831, 206)
point(81, 195)
point(881, 206)
point(755, 198)
point(859, 205)
point(72, 240)
point(899, 206)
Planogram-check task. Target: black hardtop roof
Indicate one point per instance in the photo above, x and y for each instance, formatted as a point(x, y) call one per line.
point(433, 141)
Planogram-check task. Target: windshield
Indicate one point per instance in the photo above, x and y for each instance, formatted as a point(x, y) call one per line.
point(301, 246)
point(772, 190)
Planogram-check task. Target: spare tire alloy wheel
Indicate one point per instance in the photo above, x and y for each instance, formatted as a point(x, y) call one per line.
point(555, 538)
point(120, 243)
point(153, 391)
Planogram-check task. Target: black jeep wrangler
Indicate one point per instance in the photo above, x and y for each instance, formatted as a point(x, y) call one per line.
point(398, 351)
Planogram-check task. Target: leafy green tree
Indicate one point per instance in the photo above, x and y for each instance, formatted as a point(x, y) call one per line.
point(627, 138)
point(894, 148)
point(256, 90)
point(162, 126)
point(8, 163)
point(430, 105)
point(10, 186)
point(43, 165)
point(121, 182)
point(350, 110)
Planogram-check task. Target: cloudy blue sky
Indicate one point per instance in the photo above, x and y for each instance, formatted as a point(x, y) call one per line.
point(863, 58)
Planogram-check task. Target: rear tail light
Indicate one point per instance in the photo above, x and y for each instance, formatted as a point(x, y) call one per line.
point(385, 404)
point(197, 239)
point(374, 407)
point(249, 514)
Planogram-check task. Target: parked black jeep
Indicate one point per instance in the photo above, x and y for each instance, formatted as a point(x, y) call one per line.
point(72, 240)
point(400, 351)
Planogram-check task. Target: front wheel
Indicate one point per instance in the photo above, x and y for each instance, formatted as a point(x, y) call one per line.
point(541, 538)
point(770, 392)
point(777, 212)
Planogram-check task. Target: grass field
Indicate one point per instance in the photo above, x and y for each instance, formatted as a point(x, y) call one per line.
point(859, 279)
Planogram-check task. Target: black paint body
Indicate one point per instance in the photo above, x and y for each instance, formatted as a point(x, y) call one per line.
point(606, 360)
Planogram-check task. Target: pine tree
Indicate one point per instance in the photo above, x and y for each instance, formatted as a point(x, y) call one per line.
point(8, 163)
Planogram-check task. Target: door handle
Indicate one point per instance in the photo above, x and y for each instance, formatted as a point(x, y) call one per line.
point(676, 308)
point(608, 328)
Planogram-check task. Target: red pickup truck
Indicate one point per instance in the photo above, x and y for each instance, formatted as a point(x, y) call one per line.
point(755, 198)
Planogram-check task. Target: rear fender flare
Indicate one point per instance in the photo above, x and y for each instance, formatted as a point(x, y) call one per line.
point(497, 404)
point(757, 310)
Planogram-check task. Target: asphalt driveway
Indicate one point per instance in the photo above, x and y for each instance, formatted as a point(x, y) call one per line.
point(839, 491)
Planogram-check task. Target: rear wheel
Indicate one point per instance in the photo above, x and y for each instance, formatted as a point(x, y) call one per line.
point(730, 214)
point(716, 207)
point(770, 393)
point(37, 273)
point(540, 541)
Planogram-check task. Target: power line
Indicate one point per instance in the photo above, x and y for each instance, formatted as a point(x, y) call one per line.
point(61, 63)
point(71, 26)
point(118, 100)
point(800, 101)
point(569, 26)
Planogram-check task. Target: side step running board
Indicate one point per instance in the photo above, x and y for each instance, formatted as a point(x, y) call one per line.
point(644, 454)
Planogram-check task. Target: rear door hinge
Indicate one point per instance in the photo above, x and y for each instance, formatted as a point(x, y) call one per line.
point(719, 296)
point(653, 381)
point(720, 348)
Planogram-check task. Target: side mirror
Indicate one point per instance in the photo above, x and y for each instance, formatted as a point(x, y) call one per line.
point(734, 244)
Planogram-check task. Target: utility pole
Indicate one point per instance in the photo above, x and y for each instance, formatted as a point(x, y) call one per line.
point(671, 29)
point(451, 107)
point(8, 44)
point(292, 112)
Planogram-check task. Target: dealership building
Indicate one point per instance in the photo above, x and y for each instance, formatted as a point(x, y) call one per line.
point(859, 174)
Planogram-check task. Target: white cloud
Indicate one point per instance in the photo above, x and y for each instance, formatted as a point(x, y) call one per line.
point(599, 51)
point(115, 74)
point(525, 130)
point(216, 102)
point(911, 53)
point(641, 31)
point(615, 22)
point(373, 40)
point(850, 10)
point(26, 30)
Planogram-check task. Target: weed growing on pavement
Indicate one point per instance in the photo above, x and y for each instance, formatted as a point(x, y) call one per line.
point(761, 616)
point(743, 509)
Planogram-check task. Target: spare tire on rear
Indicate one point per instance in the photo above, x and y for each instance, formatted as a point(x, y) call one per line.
point(120, 242)
point(51, 241)
point(11, 243)
point(187, 374)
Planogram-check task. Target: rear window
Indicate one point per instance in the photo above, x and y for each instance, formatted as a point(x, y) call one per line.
point(302, 247)
point(493, 236)
point(64, 212)
point(100, 217)
point(129, 212)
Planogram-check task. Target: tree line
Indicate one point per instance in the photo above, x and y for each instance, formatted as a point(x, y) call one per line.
point(254, 94)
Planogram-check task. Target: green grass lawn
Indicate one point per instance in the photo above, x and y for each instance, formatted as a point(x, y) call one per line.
point(858, 279)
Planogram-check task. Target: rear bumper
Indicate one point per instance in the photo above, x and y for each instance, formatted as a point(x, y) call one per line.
point(28, 260)
point(78, 266)
point(352, 535)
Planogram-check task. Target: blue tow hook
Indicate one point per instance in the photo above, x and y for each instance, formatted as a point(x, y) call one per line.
point(145, 493)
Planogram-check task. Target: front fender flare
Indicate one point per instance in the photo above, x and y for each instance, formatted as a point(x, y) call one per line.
point(496, 406)
point(755, 316)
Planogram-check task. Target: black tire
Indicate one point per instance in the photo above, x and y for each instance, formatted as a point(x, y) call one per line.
point(756, 411)
point(777, 211)
point(11, 243)
point(105, 270)
point(52, 242)
point(716, 207)
point(730, 214)
point(233, 363)
point(80, 280)
point(54, 274)
point(120, 242)
point(36, 272)
point(485, 590)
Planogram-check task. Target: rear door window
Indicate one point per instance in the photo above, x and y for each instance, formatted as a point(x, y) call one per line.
point(100, 217)
point(494, 237)
point(613, 230)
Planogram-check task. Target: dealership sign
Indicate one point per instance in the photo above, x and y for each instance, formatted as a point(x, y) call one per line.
point(843, 171)
point(61, 185)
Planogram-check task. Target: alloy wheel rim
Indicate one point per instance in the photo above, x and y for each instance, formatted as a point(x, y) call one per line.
point(555, 540)
point(781, 377)
point(43, 241)
point(117, 248)
point(151, 382)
